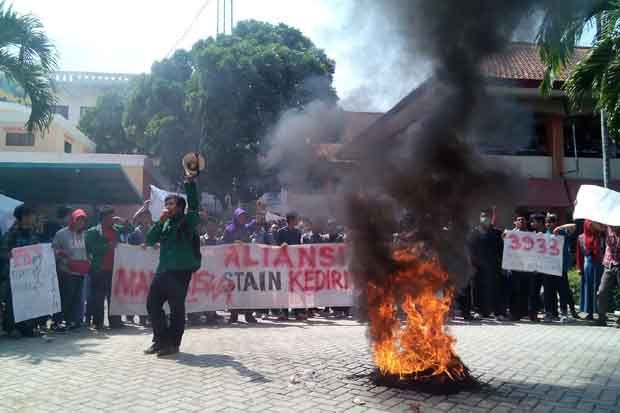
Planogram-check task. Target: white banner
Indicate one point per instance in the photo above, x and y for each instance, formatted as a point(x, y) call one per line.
point(158, 197)
point(598, 204)
point(34, 283)
point(241, 276)
point(7, 206)
point(532, 252)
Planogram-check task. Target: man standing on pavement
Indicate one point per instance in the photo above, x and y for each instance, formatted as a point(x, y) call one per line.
point(290, 235)
point(611, 274)
point(486, 247)
point(101, 241)
point(73, 266)
point(179, 256)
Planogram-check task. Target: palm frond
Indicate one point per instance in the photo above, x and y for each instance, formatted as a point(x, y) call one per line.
point(561, 29)
point(27, 57)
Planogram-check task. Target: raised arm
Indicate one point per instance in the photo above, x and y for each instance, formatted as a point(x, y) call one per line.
point(193, 204)
point(570, 228)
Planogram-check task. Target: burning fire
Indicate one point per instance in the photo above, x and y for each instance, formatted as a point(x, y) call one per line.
point(421, 349)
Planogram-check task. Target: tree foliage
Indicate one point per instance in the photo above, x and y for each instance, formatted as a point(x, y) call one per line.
point(27, 58)
point(222, 98)
point(596, 78)
point(104, 125)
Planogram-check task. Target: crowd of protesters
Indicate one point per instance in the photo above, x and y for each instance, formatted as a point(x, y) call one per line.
point(85, 262)
point(515, 295)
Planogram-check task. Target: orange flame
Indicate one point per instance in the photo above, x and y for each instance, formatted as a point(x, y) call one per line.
point(421, 348)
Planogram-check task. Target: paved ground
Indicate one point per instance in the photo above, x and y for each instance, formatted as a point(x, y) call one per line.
point(537, 368)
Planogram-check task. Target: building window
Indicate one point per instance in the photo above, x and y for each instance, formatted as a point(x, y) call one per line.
point(68, 147)
point(587, 136)
point(62, 110)
point(19, 139)
point(84, 110)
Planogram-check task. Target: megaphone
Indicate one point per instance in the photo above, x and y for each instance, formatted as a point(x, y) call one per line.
point(193, 163)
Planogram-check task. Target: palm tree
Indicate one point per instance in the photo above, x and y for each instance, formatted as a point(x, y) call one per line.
point(27, 58)
point(596, 77)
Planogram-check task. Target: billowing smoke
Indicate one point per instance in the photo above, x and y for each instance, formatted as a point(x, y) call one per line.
point(294, 152)
point(429, 170)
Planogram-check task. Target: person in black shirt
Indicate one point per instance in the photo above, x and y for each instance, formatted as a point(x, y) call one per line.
point(486, 249)
point(290, 235)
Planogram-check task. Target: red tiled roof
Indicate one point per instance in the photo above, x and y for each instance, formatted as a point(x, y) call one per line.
point(357, 122)
point(521, 61)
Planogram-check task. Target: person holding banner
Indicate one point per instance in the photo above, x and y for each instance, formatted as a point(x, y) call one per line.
point(73, 266)
point(611, 274)
point(240, 230)
point(21, 234)
point(179, 256)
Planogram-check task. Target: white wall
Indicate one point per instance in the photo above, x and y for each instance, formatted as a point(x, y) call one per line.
point(525, 166)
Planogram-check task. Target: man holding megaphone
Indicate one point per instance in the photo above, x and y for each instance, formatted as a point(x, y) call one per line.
point(177, 237)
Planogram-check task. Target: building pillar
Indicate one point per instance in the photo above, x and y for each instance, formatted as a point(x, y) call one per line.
point(555, 136)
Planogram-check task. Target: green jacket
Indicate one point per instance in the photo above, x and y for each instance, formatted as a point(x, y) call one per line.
point(177, 249)
point(97, 245)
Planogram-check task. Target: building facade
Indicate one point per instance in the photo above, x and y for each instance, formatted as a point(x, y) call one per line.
point(61, 137)
point(553, 148)
point(77, 92)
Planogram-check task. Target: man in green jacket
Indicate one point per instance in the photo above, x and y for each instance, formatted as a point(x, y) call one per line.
point(101, 241)
point(179, 256)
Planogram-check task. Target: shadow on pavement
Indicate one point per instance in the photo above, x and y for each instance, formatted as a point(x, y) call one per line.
point(56, 349)
point(218, 361)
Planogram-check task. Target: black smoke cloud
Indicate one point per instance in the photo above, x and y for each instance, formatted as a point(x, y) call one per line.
point(430, 170)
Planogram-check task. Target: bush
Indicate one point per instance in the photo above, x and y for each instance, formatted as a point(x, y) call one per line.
point(574, 281)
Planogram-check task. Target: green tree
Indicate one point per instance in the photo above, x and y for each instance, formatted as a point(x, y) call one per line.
point(104, 124)
point(27, 58)
point(156, 115)
point(242, 83)
point(596, 77)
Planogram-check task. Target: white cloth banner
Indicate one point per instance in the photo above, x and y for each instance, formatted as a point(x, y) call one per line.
point(598, 204)
point(241, 276)
point(7, 206)
point(157, 202)
point(34, 283)
point(532, 252)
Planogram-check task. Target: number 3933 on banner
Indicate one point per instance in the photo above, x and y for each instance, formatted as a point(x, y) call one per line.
point(531, 252)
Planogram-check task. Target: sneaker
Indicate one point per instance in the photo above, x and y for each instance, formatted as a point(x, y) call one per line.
point(548, 318)
point(564, 319)
point(589, 317)
point(154, 349)
point(501, 318)
point(168, 351)
point(249, 318)
point(476, 316)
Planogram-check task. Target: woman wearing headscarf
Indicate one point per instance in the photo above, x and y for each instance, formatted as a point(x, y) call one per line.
point(590, 247)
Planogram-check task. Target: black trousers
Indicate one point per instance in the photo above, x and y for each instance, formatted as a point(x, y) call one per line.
point(534, 305)
point(70, 296)
point(100, 291)
point(463, 300)
point(554, 285)
point(170, 287)
point(519, 294)
point(489, 286)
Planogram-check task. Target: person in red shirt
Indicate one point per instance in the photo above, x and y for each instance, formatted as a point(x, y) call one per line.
point(611, 273)
point(101, 241)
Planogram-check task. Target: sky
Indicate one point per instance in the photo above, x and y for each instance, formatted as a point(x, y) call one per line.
point(127, 36)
